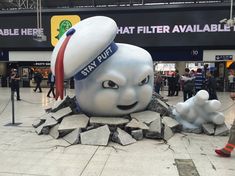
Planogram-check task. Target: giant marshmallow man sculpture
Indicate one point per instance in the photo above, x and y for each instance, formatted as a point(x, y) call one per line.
point(111, 79)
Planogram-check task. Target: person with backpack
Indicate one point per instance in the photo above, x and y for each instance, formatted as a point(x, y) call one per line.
point(187, 85)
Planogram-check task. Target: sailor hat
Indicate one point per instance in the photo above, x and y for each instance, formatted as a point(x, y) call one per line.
point(82, 49)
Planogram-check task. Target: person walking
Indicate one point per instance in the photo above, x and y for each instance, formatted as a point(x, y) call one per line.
point(177, 82)
point(15, 84)
point(231, 81)
point(171, 85)
point(211, 86)
point(157, 82)
point(229, 147)
point(51, 82)
point(187, 85)
point(38, 79)
point(199, 80)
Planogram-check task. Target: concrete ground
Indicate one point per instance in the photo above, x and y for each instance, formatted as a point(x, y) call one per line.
point(24, 153)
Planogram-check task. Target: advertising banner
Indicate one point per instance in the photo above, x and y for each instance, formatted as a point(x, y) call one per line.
point(145, 28)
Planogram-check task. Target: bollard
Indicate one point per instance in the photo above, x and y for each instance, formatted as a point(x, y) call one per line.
point(13, 107)
point(13, 111)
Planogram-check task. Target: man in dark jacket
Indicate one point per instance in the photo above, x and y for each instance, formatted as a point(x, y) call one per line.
point(38, 79)
point(15, 83)
point(51, 82)
point(211, 86)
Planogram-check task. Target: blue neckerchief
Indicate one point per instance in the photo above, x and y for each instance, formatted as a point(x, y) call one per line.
point(87, 70)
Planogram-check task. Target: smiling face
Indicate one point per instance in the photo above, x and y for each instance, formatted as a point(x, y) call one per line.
point(121, 85)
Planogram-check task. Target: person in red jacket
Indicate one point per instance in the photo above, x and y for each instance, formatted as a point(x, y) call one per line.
point(226, 151)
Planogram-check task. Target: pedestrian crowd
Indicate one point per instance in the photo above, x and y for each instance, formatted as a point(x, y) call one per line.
point(190, 83)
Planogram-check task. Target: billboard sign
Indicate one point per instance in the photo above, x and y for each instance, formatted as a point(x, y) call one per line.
point(145, 28)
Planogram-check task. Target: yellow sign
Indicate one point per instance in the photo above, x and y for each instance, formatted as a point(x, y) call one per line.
point(60, 24)
point(228, 63)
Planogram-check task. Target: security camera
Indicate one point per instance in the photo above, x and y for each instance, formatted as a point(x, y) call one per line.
point(230, 22)
point(223, 20)
point(40, 37)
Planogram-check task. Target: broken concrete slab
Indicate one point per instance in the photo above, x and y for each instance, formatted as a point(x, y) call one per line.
point(54, 131)
point(73, 122)
point(136, 124)
point(155, 130)
point(108, 121)
point(39, 129)
point(157, 105)
point(163, 104)
point(137, 134)
point(196, 130)
point(145, 116)
point(45, 116)
point(61, 113)
point(168, 133)
point(153, 135)
point(170, 122)
point(60, 104)
point(73, 137)
point(50, 122)
point(156, 126)
point(221, 130)
point(37, 123)
point(122, 137)
point(98, 136)
point(208, 128)
point(45, 130)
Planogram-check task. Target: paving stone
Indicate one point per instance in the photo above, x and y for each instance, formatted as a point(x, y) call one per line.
point(137, 134)
point(208, 128)
point(145, 116)
point(61, 113)
point(37, 123)
point(168, 133)
point(98, 136)
point(73, 122)
point(122, 137)
point(108, 120)
point(50, 122)
point(54, 131)
point(73, 137)
point(136, 124)
point(221, 130)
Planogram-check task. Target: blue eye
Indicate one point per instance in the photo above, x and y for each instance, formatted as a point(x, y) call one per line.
point(144, 81)
point(109, 85)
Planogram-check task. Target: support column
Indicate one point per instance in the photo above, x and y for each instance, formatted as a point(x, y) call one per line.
point(181, 65)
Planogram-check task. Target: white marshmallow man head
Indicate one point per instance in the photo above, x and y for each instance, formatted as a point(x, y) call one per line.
point(121, 85)
point(111, 79)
